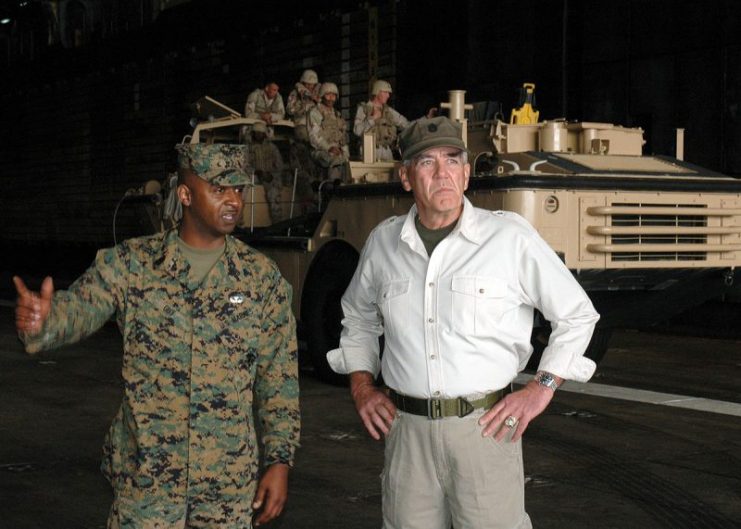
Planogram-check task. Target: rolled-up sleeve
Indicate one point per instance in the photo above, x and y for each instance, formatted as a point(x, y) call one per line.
point(362, 323)
point(553, 290)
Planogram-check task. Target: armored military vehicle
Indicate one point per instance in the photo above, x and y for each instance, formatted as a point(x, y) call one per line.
point(646, 236)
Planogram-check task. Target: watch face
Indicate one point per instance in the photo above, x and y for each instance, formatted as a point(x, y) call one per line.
point(546, 379)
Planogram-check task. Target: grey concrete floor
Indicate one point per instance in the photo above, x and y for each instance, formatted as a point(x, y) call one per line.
point(590, 461)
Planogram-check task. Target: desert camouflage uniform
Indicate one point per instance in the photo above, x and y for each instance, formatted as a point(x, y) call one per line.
point(300, 102)
point(182, 450)
point(257, 103)
point(384, 129)
point(265, 158)
point(328, 129)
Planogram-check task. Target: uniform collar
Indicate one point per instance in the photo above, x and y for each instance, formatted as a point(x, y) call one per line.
point(173, 261)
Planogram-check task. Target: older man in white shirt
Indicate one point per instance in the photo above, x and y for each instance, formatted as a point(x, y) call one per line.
point(453, 288)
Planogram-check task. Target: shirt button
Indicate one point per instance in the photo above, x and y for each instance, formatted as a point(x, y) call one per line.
point(430, 320)
point(481, 291)
point(433, 357)
point(430, 284)
point(437, 393)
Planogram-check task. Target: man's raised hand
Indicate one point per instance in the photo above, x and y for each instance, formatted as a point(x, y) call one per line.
point(32, 308)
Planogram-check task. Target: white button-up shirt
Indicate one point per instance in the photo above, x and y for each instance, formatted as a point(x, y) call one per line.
point(459, 321)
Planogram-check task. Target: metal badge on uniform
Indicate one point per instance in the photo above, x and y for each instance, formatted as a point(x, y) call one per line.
point(236, 299)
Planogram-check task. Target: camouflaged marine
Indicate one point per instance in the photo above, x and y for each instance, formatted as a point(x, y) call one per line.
point(200, 350)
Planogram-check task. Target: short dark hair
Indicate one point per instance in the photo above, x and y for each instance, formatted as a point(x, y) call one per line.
point(183, 174)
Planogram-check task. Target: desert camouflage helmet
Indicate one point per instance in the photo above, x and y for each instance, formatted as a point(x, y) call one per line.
point(328, 88)
point(381, 86)
point(310, 77)
point(219, 164)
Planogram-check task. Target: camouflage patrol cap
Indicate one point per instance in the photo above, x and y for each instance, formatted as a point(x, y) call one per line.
point(220, 163)
point(426, 133)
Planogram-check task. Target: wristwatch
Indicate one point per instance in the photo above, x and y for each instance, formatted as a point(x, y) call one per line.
point(544, 378)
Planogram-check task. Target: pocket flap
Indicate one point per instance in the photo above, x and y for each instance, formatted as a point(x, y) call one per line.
point(392, 289)
point(479, 286)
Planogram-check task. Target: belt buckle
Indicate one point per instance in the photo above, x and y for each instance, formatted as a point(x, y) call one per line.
point(464, 407)
point(434, 409)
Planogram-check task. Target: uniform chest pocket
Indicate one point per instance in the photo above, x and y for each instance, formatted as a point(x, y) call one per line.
point(239, 329)
point(479, 302)
point(393, 302)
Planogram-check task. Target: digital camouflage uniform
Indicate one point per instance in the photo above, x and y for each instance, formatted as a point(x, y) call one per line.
point(182, 450)
point(300, 102)
point(384, 129)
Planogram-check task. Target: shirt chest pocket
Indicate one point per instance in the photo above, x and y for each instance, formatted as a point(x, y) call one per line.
point(479, 302)
point(393, 303)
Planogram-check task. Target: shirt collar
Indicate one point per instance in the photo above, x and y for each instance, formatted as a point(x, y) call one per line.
point(466, 227)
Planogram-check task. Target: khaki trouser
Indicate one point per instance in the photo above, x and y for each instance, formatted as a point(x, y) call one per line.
point(439, 472)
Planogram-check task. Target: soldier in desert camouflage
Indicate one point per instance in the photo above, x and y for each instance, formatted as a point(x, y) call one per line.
point(208, 332)
point(377, 116)
point(301, 100)
point(328, 134)
point(266, 160)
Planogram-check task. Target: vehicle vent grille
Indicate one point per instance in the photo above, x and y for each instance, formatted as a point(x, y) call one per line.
point(643, 232)
point(669, 238)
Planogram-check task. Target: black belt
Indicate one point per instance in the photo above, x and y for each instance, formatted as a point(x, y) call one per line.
point(439, 408)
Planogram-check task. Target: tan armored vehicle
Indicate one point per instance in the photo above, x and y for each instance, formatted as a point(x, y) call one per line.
point(646, 236)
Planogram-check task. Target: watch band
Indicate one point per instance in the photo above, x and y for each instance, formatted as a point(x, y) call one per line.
point(544, 378)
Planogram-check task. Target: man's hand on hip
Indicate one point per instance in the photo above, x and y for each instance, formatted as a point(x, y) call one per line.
point(373, 405)
point(522, 405)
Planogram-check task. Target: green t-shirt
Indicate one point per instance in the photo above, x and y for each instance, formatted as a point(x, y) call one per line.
point(431, 238)
point(201, 261)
